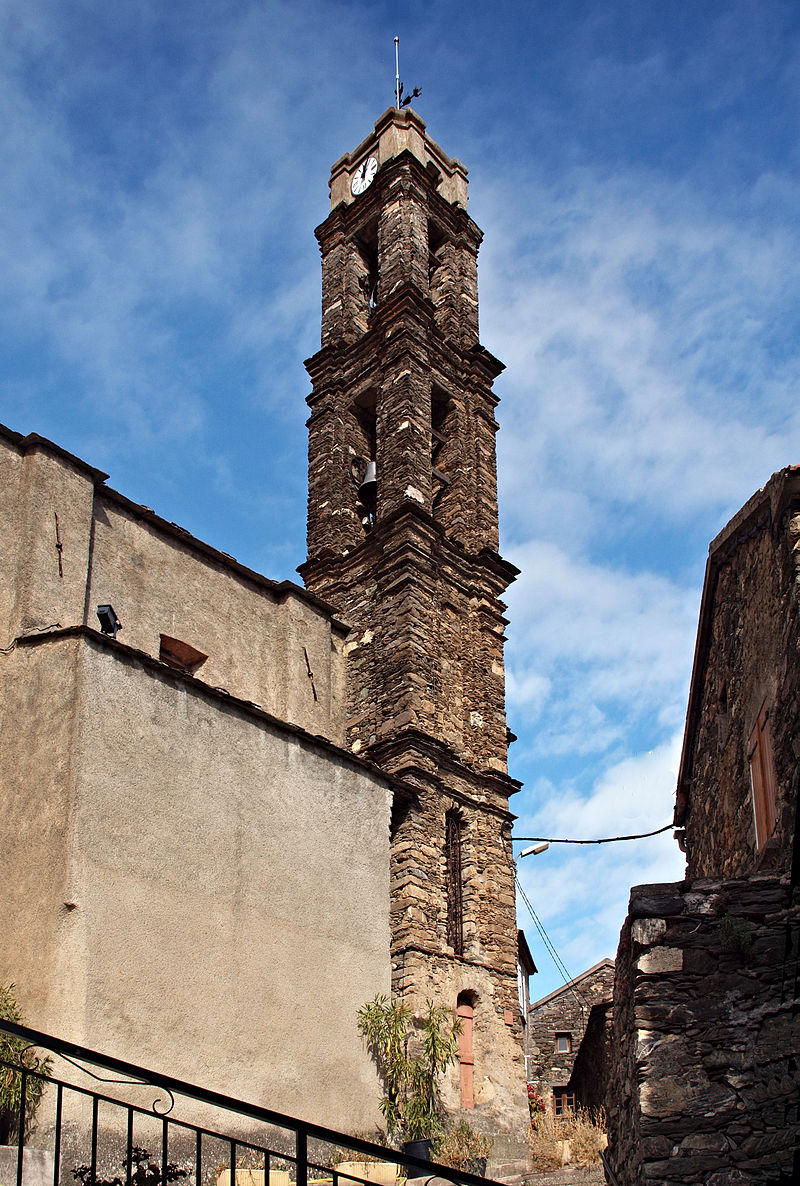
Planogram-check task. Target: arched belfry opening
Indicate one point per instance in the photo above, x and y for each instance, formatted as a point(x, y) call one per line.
point(362, 420)
point(366, 245)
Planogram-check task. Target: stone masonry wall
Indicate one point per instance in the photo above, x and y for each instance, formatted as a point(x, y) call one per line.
point(402, 380)
point(706, 1084)
point(426, 650)
point(747, 657)
point(592, 1068)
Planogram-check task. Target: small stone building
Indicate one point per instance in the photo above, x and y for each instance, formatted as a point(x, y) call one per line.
point(705, 1085)
point(557, 1025)
point(591, 1070)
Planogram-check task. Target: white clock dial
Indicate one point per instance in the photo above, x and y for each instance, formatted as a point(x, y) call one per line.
point(364, 175)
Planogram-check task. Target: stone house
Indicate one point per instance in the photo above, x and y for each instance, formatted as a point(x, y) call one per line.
point(591, 1071)
point(737, 786)
point(705, 1083)
point(234, 820)
point(557, 1025)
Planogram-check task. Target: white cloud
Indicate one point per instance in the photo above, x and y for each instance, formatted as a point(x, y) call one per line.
point(593, 650)
point(637, 323)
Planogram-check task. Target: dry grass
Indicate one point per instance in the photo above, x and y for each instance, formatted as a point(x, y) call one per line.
point(585, 1132)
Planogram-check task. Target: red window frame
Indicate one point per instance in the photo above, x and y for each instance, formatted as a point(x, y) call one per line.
point(466, 1056)
point(762, 778)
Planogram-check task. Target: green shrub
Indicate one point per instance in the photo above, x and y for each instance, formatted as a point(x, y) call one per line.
point(16, 1051)
point(410, 1058)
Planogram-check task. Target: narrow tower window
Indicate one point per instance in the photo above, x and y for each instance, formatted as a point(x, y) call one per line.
point(363, 454)
point(455, 911)
point(436, 274)
point(441, 425)
point(367, 245)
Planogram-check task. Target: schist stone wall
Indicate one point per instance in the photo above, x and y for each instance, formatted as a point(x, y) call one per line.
point(556, 1027)
point(705, 1084)
point(746, 670)
point(402, 382)
point(592, 1068)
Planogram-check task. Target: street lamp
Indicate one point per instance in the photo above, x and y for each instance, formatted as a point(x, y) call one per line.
point(534, 850)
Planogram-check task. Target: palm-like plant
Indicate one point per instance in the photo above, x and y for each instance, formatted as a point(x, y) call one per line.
point(410, 1059)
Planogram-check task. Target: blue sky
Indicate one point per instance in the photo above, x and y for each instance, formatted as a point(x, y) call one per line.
point(634, 166)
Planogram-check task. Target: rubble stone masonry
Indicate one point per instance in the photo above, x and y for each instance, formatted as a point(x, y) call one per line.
point(563, 1013)
point(746, 661)
point(705, 1084)
point(411, 565)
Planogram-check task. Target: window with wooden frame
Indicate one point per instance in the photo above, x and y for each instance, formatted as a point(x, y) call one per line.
point(563, 1101)
point(455, 906)
point(564, 1043)
point(762, 778)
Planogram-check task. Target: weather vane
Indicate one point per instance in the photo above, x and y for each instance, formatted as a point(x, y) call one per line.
point(398, 86)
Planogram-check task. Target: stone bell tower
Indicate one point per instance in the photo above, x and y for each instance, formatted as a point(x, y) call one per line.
point(402, 541)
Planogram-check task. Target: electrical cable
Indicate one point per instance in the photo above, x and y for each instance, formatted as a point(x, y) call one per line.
point(556, 958)
point(602, 840)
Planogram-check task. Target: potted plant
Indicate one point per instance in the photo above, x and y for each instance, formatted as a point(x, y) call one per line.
point(364, 1166)
point(462, 1147)
point(16, 1051)
point(410, 1059)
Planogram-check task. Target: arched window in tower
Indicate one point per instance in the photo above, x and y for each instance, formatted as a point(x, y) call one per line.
point(436, 270)
point(465, 1011)
point(365, 272)
point(363, 450)
point(455, 906)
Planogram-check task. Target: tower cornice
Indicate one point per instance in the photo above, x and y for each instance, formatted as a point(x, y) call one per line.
point(416, 756)
point(406, 522)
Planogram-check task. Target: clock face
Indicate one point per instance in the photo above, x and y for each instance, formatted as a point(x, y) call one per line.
point(364, 175)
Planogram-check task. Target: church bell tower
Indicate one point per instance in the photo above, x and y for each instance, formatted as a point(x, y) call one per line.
point(402, 542)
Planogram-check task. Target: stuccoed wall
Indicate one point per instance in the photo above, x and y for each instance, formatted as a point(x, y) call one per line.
point(187, 884)
point(256, 633)
point(706, 1083)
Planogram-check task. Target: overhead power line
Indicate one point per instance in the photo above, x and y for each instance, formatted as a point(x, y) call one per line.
point(602, 840)
point(556, 958)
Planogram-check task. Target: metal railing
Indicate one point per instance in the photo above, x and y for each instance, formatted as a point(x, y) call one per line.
point(607, 1167)
point(99, 1118)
